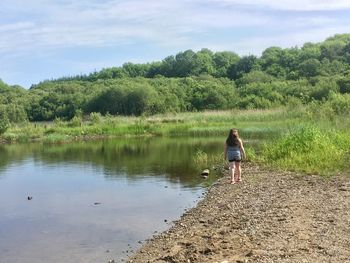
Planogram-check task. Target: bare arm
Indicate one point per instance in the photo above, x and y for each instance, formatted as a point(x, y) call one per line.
point(242, 148)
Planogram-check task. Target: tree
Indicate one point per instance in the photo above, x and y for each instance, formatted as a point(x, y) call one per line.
point(270, 56)
point(310, 68)
point(244, 65)
point(155, 69)
point(344, 85)
point(332, 50)
point(323, 88)
point(184, 63)
point(203, 63)
point(222, 62)
point(254, 76)
point(141, 100)
point(110, 101)
point(4, 122)
point(346, 51)
point(167, 68)
point(336, 67)
point(309, 51)
point(136, 70)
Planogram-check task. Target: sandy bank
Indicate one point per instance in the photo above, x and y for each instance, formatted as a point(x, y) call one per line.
point(269, 217)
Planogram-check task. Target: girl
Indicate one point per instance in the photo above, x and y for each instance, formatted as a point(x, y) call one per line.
point(234, 151)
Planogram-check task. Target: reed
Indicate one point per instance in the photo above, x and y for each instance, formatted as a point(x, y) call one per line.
point(309, 149)
point(304, 138)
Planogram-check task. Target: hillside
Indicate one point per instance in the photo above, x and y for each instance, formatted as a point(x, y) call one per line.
point(194, 81)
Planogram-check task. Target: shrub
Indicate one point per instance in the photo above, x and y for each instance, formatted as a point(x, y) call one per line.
point(4, 125)
point(340, 103)
point(4, 122)
point(95, 117)
point(76, 121)
point(306, 149)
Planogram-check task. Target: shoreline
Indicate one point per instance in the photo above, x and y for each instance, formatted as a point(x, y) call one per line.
point(272, 216)
point(72, 139)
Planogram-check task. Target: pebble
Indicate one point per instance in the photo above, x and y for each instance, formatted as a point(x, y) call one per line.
point(289, 212)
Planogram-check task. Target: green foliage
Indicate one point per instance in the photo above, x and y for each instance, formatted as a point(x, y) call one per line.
point(340, 103)
point(203, 161)
point(95, 117)
point(255, 76)
point(319, 148)
point(222, 61)
point(307, 149)
point(58, 122)
point(4, 121)
point(200, 159)
point(244, 65)
point(194, 81)
point(76, 121)
point(250, 154)
point(310, 68)
point(344, 84)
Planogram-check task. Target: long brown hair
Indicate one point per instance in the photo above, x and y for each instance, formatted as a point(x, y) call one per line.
point(232, 139)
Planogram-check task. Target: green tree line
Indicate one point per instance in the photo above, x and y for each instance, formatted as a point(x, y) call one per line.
point(193, 81)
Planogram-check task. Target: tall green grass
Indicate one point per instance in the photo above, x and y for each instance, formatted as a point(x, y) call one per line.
point(309, 149)
point(207, 123)
point(314, 138)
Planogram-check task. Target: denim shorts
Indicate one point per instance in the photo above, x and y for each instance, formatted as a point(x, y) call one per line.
point(234, 156)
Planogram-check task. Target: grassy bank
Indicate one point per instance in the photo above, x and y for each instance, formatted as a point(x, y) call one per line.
point(210, 123)
point(308, 139)
point(309, 149)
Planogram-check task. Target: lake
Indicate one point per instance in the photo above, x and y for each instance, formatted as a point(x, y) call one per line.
point(95, 201)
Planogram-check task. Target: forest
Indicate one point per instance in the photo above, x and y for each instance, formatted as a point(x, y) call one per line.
point(191, 81)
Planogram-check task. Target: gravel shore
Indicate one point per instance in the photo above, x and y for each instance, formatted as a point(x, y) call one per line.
point(269, 217)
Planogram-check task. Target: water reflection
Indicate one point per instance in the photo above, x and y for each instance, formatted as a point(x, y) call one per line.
point(128, 157)
point(93, 200)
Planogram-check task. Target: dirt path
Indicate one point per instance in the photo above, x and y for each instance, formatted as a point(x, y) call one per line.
point(269, 217)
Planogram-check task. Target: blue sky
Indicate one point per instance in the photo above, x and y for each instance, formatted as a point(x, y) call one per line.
point(44, 39)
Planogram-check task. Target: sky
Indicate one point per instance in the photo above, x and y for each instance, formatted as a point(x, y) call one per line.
point(48, 39)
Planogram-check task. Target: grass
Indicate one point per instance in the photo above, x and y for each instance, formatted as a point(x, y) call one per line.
point(300, 138)
point(309, 149)
point(251, 123)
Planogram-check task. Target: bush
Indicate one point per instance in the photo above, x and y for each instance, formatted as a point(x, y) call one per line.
point(306, 149)
point(76, 121)
point(95, 117)
point(340, 103)
point(4, 122)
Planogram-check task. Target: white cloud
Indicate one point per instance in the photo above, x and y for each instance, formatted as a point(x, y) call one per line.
point(31, 28)
point(256, 44)
point(47, 24)
point(99, 23)
point(297, 5)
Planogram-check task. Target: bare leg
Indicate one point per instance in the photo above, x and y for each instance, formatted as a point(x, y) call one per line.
point(232, 172)
point(239, 171)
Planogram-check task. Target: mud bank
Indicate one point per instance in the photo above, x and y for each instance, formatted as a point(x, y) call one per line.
point(269, 217)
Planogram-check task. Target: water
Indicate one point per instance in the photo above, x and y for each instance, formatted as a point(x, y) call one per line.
point(93, 201)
